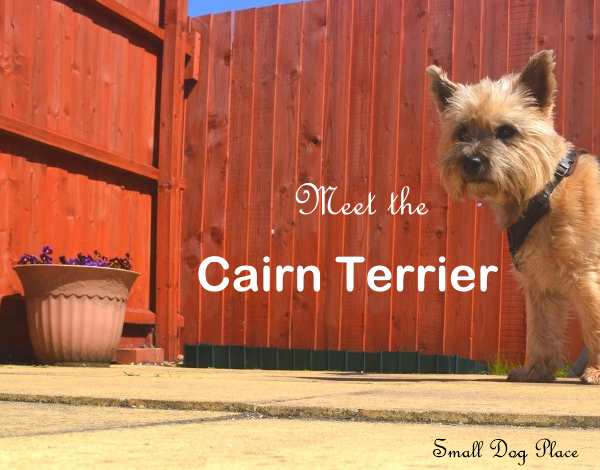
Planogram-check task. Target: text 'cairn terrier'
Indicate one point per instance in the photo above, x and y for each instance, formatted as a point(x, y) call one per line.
point(498, 145)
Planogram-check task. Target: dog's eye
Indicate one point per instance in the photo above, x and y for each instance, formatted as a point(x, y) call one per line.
point(505, 132)
point(461, 134)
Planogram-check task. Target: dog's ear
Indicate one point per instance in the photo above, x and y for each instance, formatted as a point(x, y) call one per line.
point(538, 79)
point(442, 88)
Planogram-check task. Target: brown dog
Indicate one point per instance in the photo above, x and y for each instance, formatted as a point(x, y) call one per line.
point(499, 145)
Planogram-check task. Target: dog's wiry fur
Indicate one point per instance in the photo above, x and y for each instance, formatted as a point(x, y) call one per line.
point(559, 263)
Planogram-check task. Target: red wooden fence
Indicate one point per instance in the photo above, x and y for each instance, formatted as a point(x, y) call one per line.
point(334, 92)
point(95, 136)
point(91, 110)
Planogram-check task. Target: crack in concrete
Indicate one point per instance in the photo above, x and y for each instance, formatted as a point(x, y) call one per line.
point(325, 413)
point(232, 417)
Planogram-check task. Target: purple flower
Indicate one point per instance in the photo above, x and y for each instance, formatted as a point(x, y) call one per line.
point(97, 259)
point(45, 256)
point(28, 259)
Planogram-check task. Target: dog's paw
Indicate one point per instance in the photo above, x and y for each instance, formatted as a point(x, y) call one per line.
point(591, 376)
point(529, 374)
point(518, 374)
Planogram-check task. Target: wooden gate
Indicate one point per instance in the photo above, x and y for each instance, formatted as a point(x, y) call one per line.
point(91, 121)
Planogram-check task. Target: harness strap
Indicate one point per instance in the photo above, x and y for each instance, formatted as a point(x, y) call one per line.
point(539, 205)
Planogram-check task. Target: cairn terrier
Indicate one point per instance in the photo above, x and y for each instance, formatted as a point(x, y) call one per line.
point(498, 145)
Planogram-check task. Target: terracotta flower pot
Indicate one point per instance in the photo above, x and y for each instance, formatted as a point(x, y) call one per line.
point(75, 314)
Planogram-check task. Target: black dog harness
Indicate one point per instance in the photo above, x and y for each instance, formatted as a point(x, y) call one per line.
point(539, 205)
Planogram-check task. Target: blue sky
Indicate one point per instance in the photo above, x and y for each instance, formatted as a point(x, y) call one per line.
point(203, 7)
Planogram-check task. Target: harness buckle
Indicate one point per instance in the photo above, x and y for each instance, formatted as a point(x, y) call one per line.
point(564, 168)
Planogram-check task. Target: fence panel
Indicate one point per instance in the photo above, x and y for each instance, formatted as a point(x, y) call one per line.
point(78, 144)
point(353, 83)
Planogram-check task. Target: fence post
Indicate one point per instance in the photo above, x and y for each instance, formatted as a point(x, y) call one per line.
point(170, 151)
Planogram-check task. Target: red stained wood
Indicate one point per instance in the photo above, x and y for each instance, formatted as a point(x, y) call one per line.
point(144, 22)
point(5, 223)
point(70, 211)
point(75, 147)
point(59, 67)
point(551, 35)
point(366, 122)
point(333, 168)
point(215, 174)
point(308, 167)
point(551, 25)
point(596, 59)
point(488, 249)
point(426, 325)
point(238, 172)
point(360, 120)
point(578, 70)
point(386, 165)
point(521, 37)
point(331, 92)
point(579, 73)
point(140, 316)
point(193, 168)
point(169, 198)
point(407, 326)
point(461, 215)
point(285, 136)
point(261, 171)
point(78, 122)
point(147, 9)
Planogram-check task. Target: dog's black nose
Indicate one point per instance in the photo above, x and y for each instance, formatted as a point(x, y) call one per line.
point(472, 165)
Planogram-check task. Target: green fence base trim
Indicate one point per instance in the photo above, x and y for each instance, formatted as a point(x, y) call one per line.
point(243, 357)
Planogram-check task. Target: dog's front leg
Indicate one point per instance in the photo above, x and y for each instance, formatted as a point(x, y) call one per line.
point(546, 314)
point(587, 302)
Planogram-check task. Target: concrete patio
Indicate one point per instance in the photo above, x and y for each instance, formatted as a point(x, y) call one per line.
point(116, 417)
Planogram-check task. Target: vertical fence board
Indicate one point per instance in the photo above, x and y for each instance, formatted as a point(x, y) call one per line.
point(384, 120)
point(579, 74)
point(66, 37)
point(433, 227)
point(357, 168)
point(193, 169)
point(91, 77)
point(240, 151)
point(259, 210)
point(522, 21)
point(22, 57)
point(284, 167)
point(308, 169)
point(215, 177)
point(335, 144)
point(407, 321)
point(38, 103)
point(487, 305)
point(77, 90)
point(18, 240)
point(169, 190)
point(551, 35)
point(461, 215)
point(5, 222)
point(596, 62)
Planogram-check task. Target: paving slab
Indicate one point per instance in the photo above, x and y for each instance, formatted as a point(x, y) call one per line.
point(473, 399)
point(34, 419)
point(61, 437)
